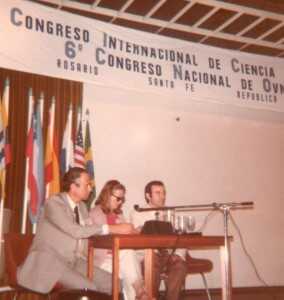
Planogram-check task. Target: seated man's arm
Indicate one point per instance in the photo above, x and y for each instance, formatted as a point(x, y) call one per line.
point(55, 213)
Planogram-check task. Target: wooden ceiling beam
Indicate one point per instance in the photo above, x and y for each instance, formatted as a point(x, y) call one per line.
point(180, 27)
point(123, 8)
point(274, 6)
point(268, 32)
point(249, 27)
point(242, 8)
point(229, 21)
point(95, 3)
point(155, 8)
point(177, 16)
point(205, 17)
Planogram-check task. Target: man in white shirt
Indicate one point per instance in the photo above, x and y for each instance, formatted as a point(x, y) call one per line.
point(175, 265)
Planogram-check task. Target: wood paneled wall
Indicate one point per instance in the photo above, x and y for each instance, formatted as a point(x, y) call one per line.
point(65, 92)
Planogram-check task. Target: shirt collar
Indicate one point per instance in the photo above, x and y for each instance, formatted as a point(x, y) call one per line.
point(71, 202)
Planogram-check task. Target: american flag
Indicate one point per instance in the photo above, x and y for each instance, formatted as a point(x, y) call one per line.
point(79, 153)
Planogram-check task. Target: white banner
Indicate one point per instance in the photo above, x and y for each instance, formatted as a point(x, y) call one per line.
point(47, 41)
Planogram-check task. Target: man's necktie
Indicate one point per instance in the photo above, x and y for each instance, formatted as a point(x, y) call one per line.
point(76, 212)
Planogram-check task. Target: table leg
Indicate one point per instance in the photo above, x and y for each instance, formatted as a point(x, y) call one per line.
point(149, 272)
point(115, 270)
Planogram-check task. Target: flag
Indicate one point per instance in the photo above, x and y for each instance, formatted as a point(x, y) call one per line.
point(67, 149)
point(5, 150)
point(5, 106)
point(79, 154)
point(88, 152)
point(26, 198)
point(89, 161)
point(52, 177)
point(36, 166)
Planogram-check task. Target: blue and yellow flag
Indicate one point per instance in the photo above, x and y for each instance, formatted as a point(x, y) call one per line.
point(89, 163)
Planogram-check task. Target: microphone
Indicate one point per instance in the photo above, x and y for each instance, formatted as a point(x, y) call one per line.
point(136, 207)
point(140, 209)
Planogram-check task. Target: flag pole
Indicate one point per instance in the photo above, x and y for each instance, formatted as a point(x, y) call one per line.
point(69, 160)
point(84, 123)
point(26, 190)
point(79, 118)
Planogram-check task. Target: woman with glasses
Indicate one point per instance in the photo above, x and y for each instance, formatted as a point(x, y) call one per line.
point(108, 210)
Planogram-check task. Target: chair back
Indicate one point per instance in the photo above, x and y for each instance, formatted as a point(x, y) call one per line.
point(16, 247)
point(198, 265)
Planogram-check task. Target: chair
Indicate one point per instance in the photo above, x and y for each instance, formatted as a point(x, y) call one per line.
point(199, 266)
point(16, 247)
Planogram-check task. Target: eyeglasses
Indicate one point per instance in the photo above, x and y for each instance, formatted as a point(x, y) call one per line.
point(118, 198)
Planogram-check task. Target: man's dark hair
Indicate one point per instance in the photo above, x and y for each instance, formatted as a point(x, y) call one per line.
point(70, 177)
point(148, 187)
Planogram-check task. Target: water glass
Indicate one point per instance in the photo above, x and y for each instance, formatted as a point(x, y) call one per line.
point(170, 217)
point(190, 224)
point(177, 225)
point(181, 224)
point(184, 224)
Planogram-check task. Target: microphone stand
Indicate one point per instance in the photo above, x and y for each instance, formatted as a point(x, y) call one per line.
point(225, 209)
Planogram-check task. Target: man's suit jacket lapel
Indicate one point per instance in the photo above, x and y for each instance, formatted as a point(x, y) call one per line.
point(69, 210)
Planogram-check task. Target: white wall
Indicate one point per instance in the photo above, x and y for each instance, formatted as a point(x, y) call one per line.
point(204, 153)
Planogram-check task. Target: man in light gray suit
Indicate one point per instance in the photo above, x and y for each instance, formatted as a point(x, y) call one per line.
point(58, 251)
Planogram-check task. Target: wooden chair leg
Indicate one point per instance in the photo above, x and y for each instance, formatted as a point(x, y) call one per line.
point(15, 297)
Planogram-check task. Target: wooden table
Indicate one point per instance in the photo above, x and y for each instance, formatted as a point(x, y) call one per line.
point(151, 242)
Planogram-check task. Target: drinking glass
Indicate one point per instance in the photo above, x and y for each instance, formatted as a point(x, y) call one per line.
point(178, 225)
point(190, 224)
point(181, 224)
point(170, 217)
